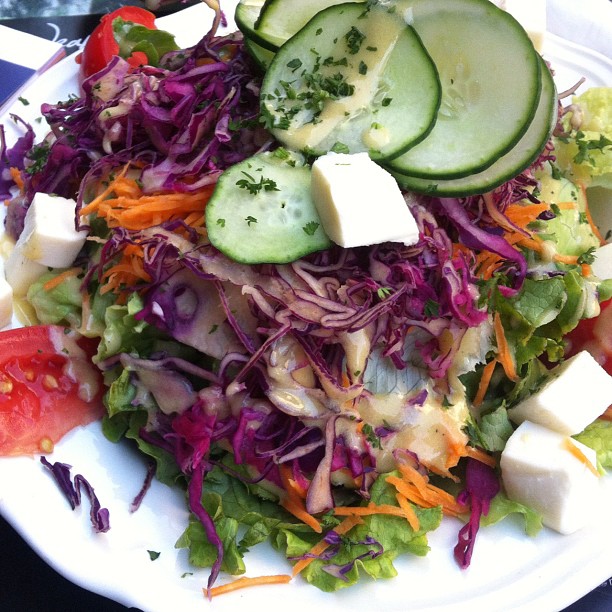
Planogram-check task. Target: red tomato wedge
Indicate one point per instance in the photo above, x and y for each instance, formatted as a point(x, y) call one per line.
point(48, 386)
point(102, 46)
point(594, 335)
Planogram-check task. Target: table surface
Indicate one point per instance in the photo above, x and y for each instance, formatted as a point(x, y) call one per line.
point(27, 583)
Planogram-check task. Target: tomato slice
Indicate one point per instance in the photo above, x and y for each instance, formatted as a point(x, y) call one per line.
point(594, 335)
point(101, 46)
point(48, 386)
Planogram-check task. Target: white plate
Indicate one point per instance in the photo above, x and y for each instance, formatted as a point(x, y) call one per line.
point(509, 571)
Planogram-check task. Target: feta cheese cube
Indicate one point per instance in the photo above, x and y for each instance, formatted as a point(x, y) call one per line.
point(531, 14)
point(21, 272)
point(602, 266)
point(359, 202)
point(553, 474)
point(49, 237)
point(576, 393)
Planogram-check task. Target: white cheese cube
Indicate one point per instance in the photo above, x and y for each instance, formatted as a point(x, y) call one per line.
point(602, 266)
point(21, 272)
point(49, 237)
point(6, 298)
point(359, 202)
point(575, 394)
point(553, 474)
point(531, 14)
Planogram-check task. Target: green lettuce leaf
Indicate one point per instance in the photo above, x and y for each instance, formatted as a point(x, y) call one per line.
point(393, 533)
point(598, 436)
point(502, 507)
point(61, 305)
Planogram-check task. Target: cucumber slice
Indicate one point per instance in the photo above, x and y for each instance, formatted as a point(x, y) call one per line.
point(246, 15)
point(262, 211)
point(261, 56)
point(351, 80)
point(520, 157)
point(490, 75)
point(281, 19)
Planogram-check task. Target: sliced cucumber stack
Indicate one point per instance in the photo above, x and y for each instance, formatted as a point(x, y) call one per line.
point(491, 82)
point(262, 57)
point(351, 80)
point(520, 157)
point(269, 23)
point(262, 211)
point(246, 16)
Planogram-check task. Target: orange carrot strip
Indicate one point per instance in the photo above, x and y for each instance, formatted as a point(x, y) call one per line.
point(60, 278)
point(485, 380)
point(345, 526)
point(415, 477)
point(428, 497)
point(480, 455)
point(504, 355)
point(296, 507)
point(17, 178)
point(433, 498)
point(293, 488)
point(568, 445)
point(522, 215)
point(93, 205)
point(243, 583)
point(566, 259)
point(369, 510)
point(411, 515)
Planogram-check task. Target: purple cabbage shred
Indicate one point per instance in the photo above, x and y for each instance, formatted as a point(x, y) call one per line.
point(72, 491)
point(481, 486)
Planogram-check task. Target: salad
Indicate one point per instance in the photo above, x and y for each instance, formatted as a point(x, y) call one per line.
point(335, 401)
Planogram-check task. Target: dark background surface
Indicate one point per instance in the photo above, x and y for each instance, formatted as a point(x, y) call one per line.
point(27, 583)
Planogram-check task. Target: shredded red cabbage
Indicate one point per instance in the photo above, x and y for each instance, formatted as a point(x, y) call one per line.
point(72, 490)
point(481, 486)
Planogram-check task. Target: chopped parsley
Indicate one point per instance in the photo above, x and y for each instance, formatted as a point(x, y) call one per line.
point(585, 146)
point(354, 39)
point(310, 228)
point(253, 187)
point(371, 437)
point(588, 257)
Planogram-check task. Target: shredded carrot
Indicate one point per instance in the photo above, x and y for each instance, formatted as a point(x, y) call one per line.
point(411, 515)
point(485, 380)
point(291, 486)
point(480, 455)
point(417, 489)
point(568, 445)
point(433, 497)
point(60, 278)
point(296, 507)
point(17, 178)
point(369, 510)
point(243, 583)
point(294, 502)
point(123, 204)
point(504, 355)
point(567, 205)
point(344, 527)
point(522, 215)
